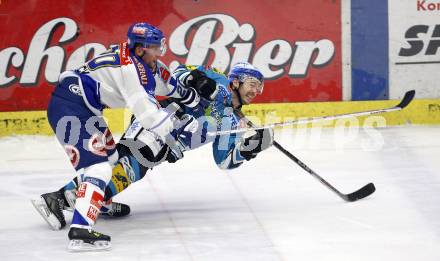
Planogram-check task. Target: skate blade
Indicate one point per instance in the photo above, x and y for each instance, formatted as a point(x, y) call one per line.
point(41, 206)
point(77, 245)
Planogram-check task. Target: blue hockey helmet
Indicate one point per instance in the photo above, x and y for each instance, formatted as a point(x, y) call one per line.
point(146, 35)
point(243, 71)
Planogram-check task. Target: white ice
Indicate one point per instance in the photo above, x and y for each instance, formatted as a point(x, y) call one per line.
point(268, 209)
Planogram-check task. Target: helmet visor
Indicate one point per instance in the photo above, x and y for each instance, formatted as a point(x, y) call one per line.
point(253, 83)
point(158, 50)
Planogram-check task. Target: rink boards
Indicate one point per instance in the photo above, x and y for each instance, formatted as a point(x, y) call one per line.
point(426, 111)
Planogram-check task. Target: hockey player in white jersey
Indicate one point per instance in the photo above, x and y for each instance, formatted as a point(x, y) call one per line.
point(129, 75)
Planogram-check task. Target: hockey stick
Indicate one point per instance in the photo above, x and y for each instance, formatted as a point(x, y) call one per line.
point(358, 194)
point(409, 96)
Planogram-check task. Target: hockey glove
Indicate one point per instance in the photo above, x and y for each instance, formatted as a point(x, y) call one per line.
point(184, 128)
point(176, 106)
point(259, 141)
point(190, 99)
point(174, 154)
point(205, 87)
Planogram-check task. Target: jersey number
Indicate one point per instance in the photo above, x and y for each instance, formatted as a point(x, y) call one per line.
point(108, 60)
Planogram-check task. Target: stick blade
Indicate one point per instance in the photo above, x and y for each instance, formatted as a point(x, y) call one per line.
point(363, 192)
point(409, 96)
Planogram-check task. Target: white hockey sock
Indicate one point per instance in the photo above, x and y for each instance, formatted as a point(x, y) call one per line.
point(90, 194)
point(88, 203)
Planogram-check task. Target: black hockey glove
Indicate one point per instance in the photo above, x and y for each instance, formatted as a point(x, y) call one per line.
point(205, 87)
point(259, 141)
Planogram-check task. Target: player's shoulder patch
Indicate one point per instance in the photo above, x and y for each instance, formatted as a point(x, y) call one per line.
point(163, 70)
point(124, 54)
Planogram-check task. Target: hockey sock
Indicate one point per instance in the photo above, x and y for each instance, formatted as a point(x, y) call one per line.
point(90, 196)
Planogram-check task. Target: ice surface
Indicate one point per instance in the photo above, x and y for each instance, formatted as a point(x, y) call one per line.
point(268, 209)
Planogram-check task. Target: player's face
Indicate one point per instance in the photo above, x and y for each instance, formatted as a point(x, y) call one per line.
point(153, 52)
point(151, 55)
point(249, 89)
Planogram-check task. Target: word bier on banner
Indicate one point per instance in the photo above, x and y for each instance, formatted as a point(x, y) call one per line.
point(240, 37)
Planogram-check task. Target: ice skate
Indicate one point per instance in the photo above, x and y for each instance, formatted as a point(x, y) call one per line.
point(114, 209)
point(82, 239)
point(50, 206)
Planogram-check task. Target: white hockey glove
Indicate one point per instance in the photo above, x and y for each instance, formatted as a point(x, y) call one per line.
point(184, 128)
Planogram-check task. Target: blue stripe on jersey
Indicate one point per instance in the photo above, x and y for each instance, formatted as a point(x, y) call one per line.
point(369, 50)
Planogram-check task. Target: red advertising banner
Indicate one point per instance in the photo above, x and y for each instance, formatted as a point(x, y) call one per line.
point(296, 44)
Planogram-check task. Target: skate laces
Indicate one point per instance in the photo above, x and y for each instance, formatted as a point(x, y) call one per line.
point(116, 207)
point(60, 204)
point(94, 233)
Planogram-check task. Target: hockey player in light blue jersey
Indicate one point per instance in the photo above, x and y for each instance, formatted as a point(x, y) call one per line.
point(129, 75)
point(218, 109)
point(243, 84)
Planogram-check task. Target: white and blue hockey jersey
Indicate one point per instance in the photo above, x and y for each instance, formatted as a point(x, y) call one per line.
point(118, 79)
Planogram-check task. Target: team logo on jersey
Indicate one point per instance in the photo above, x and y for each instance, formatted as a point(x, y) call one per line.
point(97, 145)
point(73, 154)
point(74, 88)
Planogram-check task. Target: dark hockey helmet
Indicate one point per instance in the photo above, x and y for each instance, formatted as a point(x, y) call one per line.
point(146, 35)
